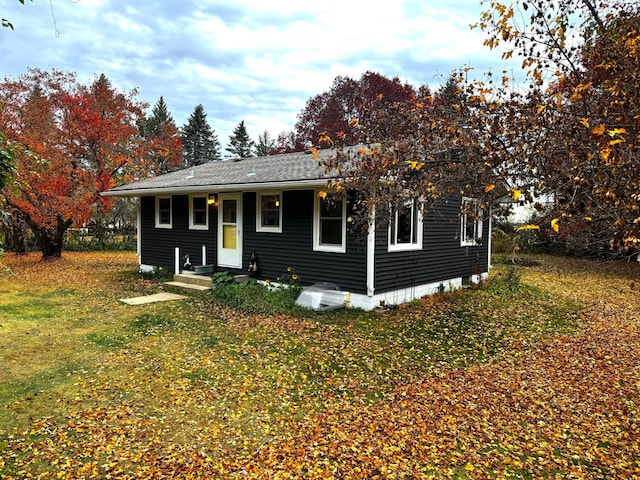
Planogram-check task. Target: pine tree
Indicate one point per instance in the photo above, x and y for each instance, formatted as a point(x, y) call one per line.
point(240, 144)
point(199, 141)
point(161, 132)
point(159, 116)
point(265, 144)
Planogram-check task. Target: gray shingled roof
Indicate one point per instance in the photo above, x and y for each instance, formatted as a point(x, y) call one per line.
point(283, 170)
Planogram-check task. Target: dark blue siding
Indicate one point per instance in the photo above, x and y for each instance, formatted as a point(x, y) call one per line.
point(158, 244)
point(275, 251)
point(294, 246)
point(441, 257)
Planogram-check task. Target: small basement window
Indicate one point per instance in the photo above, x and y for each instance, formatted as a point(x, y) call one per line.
point(163, 212)
point(269, 212)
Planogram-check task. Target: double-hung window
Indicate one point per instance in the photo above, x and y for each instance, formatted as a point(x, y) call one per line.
point(330, 225)
point(470, 222)
point(405, 226)
point(198, 212)
point(269, 212)
point(163, 212)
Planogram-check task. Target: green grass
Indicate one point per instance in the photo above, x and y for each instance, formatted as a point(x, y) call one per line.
point(245, 358)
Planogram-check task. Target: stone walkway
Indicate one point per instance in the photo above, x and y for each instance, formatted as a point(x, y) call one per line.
point(158, 297)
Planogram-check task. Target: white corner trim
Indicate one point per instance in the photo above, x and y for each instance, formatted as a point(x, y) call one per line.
point(371, 255)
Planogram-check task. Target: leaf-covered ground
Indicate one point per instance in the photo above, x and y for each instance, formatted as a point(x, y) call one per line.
point(531, 377)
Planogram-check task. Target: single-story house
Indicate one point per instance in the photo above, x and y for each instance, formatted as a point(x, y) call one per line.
point(268, 209)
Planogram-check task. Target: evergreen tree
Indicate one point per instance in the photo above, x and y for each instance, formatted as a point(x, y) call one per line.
point(199, 141)
point(265, 145)
point(240, 144)
point(161, 133)
point(159, 116)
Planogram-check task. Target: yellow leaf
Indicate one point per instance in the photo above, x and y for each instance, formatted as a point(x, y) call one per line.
point(322, 194)
point(588, 219)
point(616, 131)
point(605, 152)
point(599, 130)
point(414, 165)
point(529, 227)
point(616, 141)
point(584, 121)
point(554, 225)
point(516, 195)
point(488, 188)
point(314, 152)
point(540, 108)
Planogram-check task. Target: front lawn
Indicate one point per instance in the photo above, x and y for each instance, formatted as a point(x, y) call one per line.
point(534, 375)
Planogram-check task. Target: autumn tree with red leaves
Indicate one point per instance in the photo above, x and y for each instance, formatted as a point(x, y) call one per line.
point(76, 141)
point(334, 113)
point(570, 131)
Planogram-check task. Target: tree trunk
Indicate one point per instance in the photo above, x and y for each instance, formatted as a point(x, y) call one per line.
point(51, 240)
point(16, 233)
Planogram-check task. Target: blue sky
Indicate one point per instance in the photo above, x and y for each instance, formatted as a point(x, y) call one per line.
point(252, 60)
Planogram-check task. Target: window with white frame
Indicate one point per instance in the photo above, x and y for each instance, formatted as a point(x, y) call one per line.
point(198, 212)
point(471, 222)
point(405, 227)
point(330, 225)
point(269, 212)
point(163, 212)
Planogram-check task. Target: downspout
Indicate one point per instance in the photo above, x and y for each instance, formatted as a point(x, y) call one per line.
point(371, 253)
point(489, 240)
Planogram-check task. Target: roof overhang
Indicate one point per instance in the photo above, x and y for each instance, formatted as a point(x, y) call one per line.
point(184, 190)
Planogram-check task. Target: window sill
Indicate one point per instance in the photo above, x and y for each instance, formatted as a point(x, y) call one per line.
point(404, 248)
point(329, 249)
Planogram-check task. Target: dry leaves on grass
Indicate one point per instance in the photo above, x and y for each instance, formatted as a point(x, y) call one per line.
point(561, 406)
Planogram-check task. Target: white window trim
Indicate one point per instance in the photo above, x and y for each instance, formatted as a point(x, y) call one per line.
point(164, 225)
point(317, 246)
point(259, 227)
point(406, 247)
point(477, 227)
point(193, 226)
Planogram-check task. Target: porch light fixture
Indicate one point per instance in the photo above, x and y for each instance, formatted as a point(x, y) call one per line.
point(211, 199)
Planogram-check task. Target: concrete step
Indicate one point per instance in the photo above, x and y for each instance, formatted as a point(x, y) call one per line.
point(192, 279)
point(188, 287)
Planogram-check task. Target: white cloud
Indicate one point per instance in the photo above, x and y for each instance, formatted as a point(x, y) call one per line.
point(242, 59)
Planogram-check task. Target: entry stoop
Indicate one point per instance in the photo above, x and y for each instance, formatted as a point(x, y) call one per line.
point(190, 283)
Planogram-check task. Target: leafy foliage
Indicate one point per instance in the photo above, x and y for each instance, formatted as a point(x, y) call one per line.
point(580, 58)
point(337, 113)
point(7, 160)
point(569, 132)
point(71, 142)
point(253, 297)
